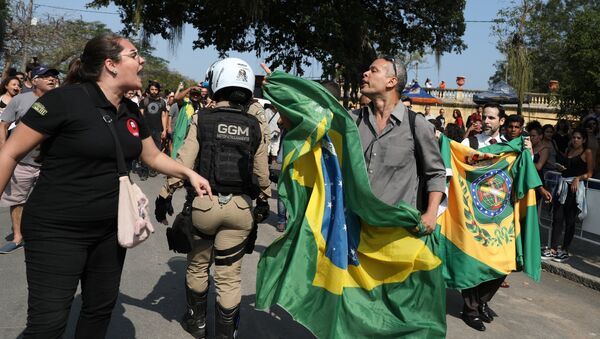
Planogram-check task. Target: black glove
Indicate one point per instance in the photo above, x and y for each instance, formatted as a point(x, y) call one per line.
point(273, 176)
point(261, 211)
point(162, 207)
point(251, 241)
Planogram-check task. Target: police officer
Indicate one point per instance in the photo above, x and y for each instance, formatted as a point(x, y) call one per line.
point(227, 145)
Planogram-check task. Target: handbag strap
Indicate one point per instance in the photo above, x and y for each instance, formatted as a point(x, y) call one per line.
point(121, 167)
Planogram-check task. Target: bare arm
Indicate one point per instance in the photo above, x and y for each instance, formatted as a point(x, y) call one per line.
point(164, 118)
point(3, 132)
point(589, 160)
point(179, 96)
point(544, 154)
point(164, 164)
point(23, 140)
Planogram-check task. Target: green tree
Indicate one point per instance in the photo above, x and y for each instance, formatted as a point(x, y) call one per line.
point(67, 41)
point(344, 36)
point(517, 66)
point(552, 42)
point(580, 84)
point(157, 69)
point(55, 41)
point(52, 40)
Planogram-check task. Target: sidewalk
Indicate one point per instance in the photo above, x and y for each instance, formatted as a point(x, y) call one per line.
point(583, 266)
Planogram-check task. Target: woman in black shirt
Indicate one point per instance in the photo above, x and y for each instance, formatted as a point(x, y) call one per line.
point(576, 165)
point(70, 220)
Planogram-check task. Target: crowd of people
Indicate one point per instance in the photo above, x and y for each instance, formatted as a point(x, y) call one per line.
point(566, 153)
point(60, 157)
point(69, 219)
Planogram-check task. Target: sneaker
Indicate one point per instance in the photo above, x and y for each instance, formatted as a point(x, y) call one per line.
point(548, 254)
point(561, 256)
point(10, 247)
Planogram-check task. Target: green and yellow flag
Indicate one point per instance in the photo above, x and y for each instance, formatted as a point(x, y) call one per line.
point(181, 126)
point(490, 227)
point(347, 266)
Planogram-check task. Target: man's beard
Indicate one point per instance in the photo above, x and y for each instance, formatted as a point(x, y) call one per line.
point(489, 132)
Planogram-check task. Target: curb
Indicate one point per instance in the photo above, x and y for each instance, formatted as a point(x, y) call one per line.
point(573, 275)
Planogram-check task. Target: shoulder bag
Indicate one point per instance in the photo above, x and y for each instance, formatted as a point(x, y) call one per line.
point(133, 222)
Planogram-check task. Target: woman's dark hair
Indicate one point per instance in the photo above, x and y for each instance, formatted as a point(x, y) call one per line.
point(5, 83)
point(546, 126)
point(454, 132)
point(583, 134)
point(533, 124)
point(536, 128)
point(456, 113)
point(89, 65)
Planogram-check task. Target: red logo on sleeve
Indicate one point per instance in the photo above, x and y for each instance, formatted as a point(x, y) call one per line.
point(133, 128)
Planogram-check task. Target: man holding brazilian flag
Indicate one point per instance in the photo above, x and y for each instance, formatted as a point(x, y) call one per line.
point(349, 264)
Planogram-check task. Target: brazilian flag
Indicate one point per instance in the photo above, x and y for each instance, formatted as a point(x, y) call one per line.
point(184, 118)
point(348, 265)
point(490, 227)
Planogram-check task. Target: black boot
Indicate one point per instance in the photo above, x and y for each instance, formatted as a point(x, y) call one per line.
point(194, 320)
point(486, 313)
point(226, 322)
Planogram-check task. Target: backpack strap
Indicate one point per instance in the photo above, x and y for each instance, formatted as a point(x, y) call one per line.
point(412, 117)
point(360, 116)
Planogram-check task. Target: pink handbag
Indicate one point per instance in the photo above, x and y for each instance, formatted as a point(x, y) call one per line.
point(133, 223)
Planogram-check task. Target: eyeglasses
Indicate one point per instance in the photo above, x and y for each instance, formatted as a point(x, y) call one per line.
point(393, 61)
point(134, 55)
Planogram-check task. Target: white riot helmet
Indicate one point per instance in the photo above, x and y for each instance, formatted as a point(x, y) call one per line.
point(229, 73)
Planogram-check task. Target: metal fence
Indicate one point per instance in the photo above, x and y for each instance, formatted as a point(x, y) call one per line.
point(589, 228)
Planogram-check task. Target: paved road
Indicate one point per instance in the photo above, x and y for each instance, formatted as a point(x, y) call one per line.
point(152, 298)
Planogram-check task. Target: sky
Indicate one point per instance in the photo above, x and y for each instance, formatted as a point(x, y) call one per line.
point(475, 63)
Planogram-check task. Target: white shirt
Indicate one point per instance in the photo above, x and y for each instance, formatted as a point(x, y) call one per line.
point(429, 117)
point(484, 140)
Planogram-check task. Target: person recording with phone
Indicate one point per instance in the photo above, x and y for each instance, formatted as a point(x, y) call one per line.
point(475, 127)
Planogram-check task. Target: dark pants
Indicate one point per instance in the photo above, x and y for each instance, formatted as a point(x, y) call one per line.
point(143, 170)
point(476, 296)
point(60, 254)
point(564, 214)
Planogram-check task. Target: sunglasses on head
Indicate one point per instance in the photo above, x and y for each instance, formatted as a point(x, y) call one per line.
point(393, 61)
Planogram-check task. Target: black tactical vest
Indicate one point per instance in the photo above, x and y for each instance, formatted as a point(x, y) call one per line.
point(228, 140)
